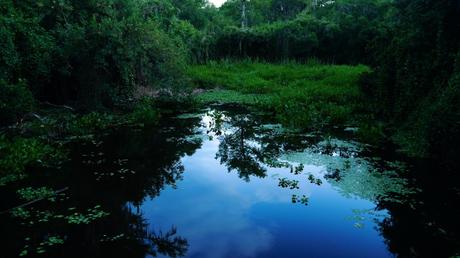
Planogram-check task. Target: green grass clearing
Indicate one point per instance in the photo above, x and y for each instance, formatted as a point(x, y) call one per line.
point(301, 95)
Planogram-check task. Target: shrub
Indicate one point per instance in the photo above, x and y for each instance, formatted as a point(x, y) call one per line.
point(90, 53)
point(15, 101)
point(144, 112)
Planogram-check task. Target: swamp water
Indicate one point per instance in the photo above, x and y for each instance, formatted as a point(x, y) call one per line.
point(227, 183)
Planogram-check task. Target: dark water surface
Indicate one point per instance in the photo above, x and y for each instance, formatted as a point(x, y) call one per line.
point(227, 183)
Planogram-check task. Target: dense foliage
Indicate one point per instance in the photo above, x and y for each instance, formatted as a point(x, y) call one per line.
point(385, 71)
point(100, 54)
point(334, 31)
point(416, 85)
point(15, 100)
point(412, 46)
point(90, 53)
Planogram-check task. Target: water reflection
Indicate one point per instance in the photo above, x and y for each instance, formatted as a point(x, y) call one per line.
point(116, 173)
point(226, 183)
point(235, 219)
point(426, 224)
point(239, 149)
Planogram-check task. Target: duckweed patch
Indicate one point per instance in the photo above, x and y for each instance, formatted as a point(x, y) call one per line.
point(87, 217)
point(29, 193)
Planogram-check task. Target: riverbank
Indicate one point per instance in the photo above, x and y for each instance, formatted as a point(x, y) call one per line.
point(309, 96)
point(39, 140)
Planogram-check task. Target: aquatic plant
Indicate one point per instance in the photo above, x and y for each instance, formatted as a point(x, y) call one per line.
point(300, 199)
point(19, 153)
point(87, 217)
point(29, 193)
point(302, 96)
point(287, 183)
point(41, 248)
point(352, 175)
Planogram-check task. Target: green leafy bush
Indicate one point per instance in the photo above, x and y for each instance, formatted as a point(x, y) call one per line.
point(144, 112)
point(15, 101)
point(93, 121)
point(415, 86)
point(89, 53)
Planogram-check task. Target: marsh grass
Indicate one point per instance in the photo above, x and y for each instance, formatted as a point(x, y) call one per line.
point(300, 95)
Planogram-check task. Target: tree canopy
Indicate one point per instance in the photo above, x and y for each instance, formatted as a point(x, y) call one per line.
point(94, 54)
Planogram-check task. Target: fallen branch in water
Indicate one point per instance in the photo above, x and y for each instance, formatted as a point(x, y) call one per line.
point(34, 201)
point(57, 106)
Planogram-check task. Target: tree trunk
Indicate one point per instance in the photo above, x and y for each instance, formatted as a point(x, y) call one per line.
point(244, 19)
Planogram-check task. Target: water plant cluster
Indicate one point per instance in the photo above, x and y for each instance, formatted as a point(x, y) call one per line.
point(309, 95)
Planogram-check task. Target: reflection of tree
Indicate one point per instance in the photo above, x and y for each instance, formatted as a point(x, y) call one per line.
point(125, 233)
point(216, 125)
point(421, 223)
point(168, 244)
point(239, 150)
point(426, 224)
point(248, 148)
point(149, 160)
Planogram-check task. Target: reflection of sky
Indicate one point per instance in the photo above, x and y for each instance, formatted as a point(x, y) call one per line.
point(223, 216)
